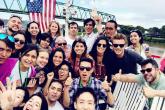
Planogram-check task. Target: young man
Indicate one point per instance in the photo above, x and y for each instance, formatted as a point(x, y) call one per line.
point(150, 77)
point(120, 58)
point(90, 36)
point(54, 93)
point(73, 31)
point(14, 24)
point(86, 69)
point(6, 64)
point(85, 99)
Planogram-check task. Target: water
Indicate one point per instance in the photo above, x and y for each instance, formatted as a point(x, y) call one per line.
point(157, 49)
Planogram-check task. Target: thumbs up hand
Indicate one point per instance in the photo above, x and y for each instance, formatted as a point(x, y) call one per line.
point(148, 91)
point(117, 76)
point(69, 80)
point(105, 85)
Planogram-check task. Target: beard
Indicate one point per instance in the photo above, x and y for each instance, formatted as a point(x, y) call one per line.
point(11, 30)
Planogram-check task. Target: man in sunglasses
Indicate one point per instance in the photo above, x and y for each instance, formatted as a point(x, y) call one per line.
point(6, 64)
point(150, 77)
point(14, 24)
point(121, 58)
point(102, 89)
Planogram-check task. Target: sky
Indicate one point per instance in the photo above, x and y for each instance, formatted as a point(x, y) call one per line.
point(146, 13)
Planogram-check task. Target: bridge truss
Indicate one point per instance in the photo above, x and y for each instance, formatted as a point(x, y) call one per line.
point(19, 7)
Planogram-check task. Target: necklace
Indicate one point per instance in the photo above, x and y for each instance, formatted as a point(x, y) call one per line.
point(21, 75)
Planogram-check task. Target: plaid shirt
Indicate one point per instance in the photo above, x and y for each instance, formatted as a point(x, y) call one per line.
point(95, 84)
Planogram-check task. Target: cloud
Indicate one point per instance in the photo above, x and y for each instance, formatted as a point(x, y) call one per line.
point(146, 13)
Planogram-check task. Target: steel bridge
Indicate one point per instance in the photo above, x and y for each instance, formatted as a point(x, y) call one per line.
point(19, 7)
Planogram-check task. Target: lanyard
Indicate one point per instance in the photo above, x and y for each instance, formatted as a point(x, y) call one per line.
point(21, 75)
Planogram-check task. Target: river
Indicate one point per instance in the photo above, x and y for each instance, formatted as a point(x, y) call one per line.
point(157, 49)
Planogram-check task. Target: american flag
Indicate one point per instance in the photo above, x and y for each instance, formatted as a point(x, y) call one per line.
point(41, 11)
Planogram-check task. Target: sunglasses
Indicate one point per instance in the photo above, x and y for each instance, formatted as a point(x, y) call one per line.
point(82, 68)
point(20, 41)
point(120, 45)
point(144, 70)
point(103, 45)
point(4, 36)
point(60, 44)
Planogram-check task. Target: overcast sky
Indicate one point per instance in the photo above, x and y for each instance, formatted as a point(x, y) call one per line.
point(146, 13)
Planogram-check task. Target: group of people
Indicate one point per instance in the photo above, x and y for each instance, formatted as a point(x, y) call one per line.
point(48, 71)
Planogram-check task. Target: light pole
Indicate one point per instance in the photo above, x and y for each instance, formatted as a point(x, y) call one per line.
point(67, 14)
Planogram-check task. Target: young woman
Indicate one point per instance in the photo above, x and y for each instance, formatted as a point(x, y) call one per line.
point(32, 32)
point(42, 59)
point(44, 41)
point(99, 53)
point(36, 102)
point(79, 50)
point(135, 43)
point(20, 42)
point(56, 58)
point(54, 31)
point(24, 68)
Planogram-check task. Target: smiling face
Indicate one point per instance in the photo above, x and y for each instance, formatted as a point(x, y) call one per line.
point(45, 43)
point(57, 58)
point(33, 29)
point(42, 59)
point(134, 38)
point(34, 103)
point(63, 72)
point(119, 50)
point(79, 48)
point(89, 28)
point(53, 27)
point(152, 73)
point(101, 46)
point(14, 24)
point(85, 102)
point(19, 41)
point(54, 92)
point(29, 59)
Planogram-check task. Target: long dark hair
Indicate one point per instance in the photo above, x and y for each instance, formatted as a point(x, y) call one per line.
point(94, 53)
point(73, 53)
point(139, 33)
point(28, 35)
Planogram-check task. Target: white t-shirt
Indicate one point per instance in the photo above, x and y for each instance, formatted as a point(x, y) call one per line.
point(90, 39)
point(69, 41)
point(57, 106)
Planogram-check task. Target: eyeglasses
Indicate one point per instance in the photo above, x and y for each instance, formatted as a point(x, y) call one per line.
point(20, 41)
point(4, 36)
point(82, 68)
point(63, 69)
point(120, 45)
point(109, 28)
point(60, 44)
point(144, 70)
point(103, 45)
